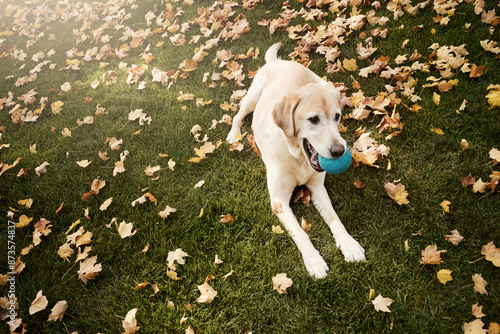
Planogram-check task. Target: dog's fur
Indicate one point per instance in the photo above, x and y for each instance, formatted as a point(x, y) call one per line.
point(296, 116)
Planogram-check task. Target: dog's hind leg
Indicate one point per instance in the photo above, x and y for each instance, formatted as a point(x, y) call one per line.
point(247, 105)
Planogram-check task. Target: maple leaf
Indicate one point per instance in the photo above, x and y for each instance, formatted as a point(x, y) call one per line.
point(277, 229)
point(39, 304)
point(130, 323)
point(207, 293)
point(493, 96)
point(125, 230)
point(480, 284)
point(176, 256)
point(491, 253)
point(477, 311)
point(444, 276)
point(382, 303)
point(445, 205)
point(455, 237)
point(397, 192)
point(23, 221)
point(474, 327)
point(58, 310)
point(89, 269)
point(281, 282)
point(495, 156)
point(65, 251)
point(56, 107)
point(431, 255)
point(83, 163)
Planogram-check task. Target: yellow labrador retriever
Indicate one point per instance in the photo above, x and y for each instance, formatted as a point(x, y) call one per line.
point(296, 117)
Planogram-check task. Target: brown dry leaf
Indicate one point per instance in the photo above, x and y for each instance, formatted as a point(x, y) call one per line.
point(141, 285)
point(455, 237)
point(207, 293)
point(397, 192)
point(382, 303)
point(480, 284)
point(58, 310)
point(83, 239)
point(437, 131)
point(39, 304)
point(491, 253)
point(304, 225)
point(89, 269)
point(359, 184)
point(130, 323)
point(431, 255)
point(227, 219)
point(281, 282)
point(65, 251)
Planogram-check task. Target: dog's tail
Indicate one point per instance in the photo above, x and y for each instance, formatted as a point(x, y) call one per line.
point(272, 53)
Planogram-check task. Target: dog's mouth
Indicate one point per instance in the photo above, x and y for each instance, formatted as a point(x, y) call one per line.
point(312, 156)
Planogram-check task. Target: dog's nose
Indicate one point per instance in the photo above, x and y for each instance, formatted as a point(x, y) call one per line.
point(337, 151)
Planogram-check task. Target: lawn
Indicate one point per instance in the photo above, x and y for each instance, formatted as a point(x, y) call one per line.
point(123, 207)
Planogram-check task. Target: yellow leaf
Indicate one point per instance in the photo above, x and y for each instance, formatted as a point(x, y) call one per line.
point(494, 98)
point(436, 98)
point(350, 64)
point(444, 275)
point(277, 229)
point(23, 221)
point(491, 253)
point(83, 163)
point(57, 107)
point(445, 206)
point(437, 131)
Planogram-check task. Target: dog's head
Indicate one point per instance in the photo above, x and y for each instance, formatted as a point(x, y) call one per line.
point(312, 116)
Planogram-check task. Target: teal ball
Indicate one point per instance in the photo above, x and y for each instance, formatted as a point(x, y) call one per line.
point(337, 165)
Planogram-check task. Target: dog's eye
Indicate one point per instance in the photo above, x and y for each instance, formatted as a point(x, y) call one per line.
point(314, 120)
point(337, 117)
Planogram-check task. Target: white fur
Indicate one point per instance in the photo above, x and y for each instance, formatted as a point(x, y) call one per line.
point(285, 96)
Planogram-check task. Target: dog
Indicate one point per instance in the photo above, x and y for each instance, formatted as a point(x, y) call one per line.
point(296, 117)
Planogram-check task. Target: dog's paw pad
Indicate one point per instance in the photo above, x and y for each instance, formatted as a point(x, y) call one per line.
point(316, 266)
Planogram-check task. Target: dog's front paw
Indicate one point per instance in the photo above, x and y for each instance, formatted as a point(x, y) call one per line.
point(352, 250)
point(233, 136)
point(316, 266)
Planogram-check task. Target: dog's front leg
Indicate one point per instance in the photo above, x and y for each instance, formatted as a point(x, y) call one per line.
point(280, 191)
point(351, 249)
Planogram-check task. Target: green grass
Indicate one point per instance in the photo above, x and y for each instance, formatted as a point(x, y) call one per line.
point(429, 165)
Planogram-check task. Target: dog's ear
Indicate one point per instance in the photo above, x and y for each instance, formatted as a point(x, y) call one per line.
point(284, 112)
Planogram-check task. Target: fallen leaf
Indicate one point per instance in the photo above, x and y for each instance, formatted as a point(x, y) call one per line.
point(89, 269)
point(39, 304)
point(176, 256)
point(397, 192)
point(281, 282)
point(277, 229)
point(227, 219)
point(455, 237)
point(23, 221)
point(130, 323)
point(58, 310)
point(445, 205)
point(491, 253)
point(382, 303)
point(495, 156)
point(207, 293)
point(474, 327)
point(444, 276)
point(431, 255)
point(83, 163)
point(42, 169)
point(167, 211)
point(125, 230)
point(104, 206)
point(477, 311)
point(480, 284)
point(144, 198)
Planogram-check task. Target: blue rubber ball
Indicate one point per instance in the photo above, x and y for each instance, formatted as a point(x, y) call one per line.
point(337, 165)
